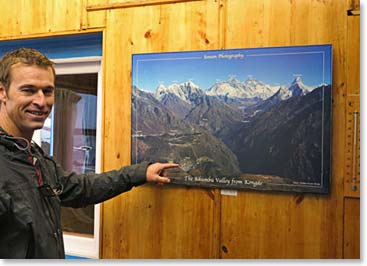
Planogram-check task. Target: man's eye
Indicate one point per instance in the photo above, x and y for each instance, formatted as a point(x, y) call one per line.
point(27, 90)
point(48, 92)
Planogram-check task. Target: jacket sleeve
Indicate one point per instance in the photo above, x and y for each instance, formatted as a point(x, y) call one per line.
point(80, 190)
point(4, 204)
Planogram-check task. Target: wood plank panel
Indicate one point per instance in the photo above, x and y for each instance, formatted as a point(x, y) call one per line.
point(277, 226)
point(351, 228)
point(64, 15)
point(34, 19)
point(167, 222)
point(94, 19)
point(351, 243)
point(353, 4)
point(153, 222)
point(281, 225)
point(24, 17)
point(10, 24)
point(353, 55)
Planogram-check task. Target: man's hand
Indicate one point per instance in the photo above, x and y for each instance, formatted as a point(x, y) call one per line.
point(155, 172)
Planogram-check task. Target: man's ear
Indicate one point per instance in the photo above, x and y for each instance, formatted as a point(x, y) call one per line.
point(2, 93)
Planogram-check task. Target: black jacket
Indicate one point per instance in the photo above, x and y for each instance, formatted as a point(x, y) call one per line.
point(29, 219)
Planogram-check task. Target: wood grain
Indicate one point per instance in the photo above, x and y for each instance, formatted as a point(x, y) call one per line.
point(271, 225)
point(151, 222)
point(353, 55)
point(352, 229)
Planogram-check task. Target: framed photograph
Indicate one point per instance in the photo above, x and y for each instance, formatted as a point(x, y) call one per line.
point(236, 119)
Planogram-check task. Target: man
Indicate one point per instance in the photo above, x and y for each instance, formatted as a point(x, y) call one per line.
point(33, 187)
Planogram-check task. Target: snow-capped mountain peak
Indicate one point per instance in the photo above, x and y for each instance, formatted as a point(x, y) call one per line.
point(298, 88)
point(231, 88)
point(249, 89)
point(252, 88)
point(185, 91)
point(283, 93)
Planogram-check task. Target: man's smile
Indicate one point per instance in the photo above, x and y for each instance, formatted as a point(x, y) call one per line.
point(39, 114)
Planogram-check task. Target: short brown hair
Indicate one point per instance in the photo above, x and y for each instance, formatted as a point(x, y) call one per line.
point(25, 56)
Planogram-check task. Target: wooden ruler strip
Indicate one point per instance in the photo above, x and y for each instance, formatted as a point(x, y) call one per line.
point(352, 148)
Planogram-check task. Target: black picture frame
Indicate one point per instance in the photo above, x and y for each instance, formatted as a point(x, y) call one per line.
point(236, 118)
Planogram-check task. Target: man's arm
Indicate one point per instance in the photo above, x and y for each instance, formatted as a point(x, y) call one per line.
point(85, 189)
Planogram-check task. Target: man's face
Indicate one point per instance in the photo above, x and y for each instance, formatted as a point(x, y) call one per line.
point(29, 99)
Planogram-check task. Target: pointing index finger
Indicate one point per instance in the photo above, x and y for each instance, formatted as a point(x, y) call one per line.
point(169, 165)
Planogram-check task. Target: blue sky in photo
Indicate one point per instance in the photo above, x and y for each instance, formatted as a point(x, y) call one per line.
point(273, 66)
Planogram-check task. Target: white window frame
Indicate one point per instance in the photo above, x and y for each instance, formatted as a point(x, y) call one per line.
point(77, 245)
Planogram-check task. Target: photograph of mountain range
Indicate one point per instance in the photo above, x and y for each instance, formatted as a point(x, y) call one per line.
point(254, 118)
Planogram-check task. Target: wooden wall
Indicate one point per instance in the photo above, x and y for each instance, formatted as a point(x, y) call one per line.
point(351, 245)
point(177, 222)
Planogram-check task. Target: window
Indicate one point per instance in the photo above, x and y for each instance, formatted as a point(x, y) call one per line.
point(72, 136)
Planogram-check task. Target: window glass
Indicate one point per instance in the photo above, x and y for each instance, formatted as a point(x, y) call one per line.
point(69, 135)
